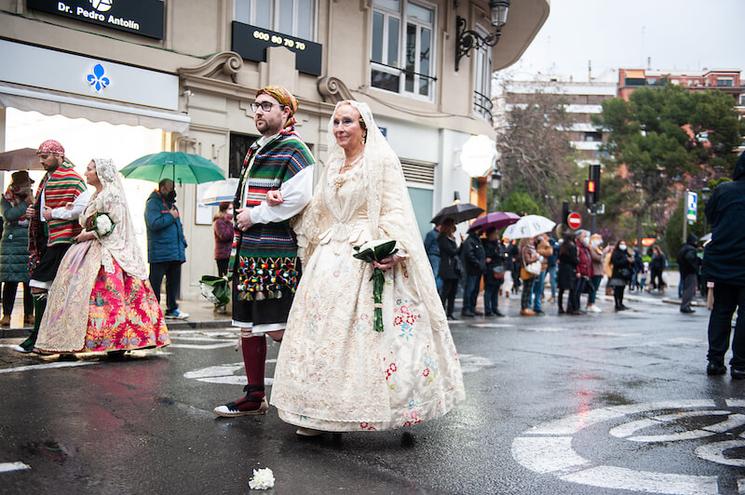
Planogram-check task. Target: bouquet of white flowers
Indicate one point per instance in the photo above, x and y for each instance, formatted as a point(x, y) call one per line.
point(376, 251)
point(100, 223)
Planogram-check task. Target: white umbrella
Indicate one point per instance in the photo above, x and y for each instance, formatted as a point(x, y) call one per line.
point(219, 192)
point(529, 226)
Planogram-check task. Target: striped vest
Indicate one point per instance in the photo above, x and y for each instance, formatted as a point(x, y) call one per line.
point(60, 188)
point(264, 258)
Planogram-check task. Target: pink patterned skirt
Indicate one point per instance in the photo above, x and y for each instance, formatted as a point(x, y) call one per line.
point(123, 314)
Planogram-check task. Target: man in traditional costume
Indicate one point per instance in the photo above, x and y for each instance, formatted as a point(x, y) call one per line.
point(263, 263)
point(53, 225)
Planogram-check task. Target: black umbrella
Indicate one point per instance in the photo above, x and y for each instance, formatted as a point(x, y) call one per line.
point(459, 212)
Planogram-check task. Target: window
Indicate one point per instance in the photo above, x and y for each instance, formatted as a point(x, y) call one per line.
point(293, 17)
point(402, 58)
point(742, 100)
point(482, 104)
point(725, 82)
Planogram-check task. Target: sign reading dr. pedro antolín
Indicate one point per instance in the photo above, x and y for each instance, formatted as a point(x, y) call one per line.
point(144, 17)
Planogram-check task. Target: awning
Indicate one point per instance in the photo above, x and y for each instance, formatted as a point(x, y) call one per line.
point(75, 107)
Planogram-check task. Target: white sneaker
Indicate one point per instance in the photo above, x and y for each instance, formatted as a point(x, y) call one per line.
point(594, 309)
point(177, 315)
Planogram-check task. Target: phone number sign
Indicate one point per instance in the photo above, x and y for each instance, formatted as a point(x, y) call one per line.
point(251, 42)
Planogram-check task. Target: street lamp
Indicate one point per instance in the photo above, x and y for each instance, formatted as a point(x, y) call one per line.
point(496, 179)
point(466, 39)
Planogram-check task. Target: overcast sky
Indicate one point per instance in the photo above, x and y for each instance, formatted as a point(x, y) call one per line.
point(677, 35)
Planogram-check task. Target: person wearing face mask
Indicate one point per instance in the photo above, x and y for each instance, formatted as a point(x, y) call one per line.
point(166, 245)
point(596, 255)
point(622, 263)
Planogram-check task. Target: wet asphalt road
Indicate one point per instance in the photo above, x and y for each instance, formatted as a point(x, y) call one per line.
point(145, 425)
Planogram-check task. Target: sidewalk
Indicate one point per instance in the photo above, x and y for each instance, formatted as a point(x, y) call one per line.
point(200, 316)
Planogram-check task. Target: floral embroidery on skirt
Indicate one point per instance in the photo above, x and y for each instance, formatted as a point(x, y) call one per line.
point(123, 314)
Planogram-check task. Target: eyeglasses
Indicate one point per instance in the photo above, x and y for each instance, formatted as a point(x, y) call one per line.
point(266, 106)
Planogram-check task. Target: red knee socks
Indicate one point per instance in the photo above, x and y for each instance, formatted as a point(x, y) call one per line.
point(254, 359)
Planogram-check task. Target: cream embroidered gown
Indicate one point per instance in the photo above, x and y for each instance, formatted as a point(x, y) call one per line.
point(334, 372)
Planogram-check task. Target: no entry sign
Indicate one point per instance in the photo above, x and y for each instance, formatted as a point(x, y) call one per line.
point(574, 220)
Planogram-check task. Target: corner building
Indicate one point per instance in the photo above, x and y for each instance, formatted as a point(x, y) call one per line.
point(131, 78)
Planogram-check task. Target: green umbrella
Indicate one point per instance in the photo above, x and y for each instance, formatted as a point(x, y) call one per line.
point(184, 168)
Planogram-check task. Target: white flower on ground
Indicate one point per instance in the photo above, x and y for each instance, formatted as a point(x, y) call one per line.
point(263, 479)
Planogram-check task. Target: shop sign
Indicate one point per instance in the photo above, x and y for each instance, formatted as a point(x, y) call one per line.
point(144, 17)
point(251, 42)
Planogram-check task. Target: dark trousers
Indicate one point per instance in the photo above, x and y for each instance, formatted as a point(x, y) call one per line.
point(618, 295)
point(491, 294)
point(447, 295)
point(657, 282)
point(527, 290)
point(689, 290)
point(471, 293)
point(574, 296)
point(222, 267)
point(172, 271)
point(9, 298)
point(727, 298)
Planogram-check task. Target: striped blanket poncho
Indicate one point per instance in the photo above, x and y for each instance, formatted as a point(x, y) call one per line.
point(264, 258)
point(59, 187)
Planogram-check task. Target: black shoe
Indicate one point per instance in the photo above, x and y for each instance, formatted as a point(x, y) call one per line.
point(717, 369)
point(450, 317)
point(688, 311)
point(538, 312)
point(467, 314)
point(497, 313)
point(478, 313)
point(561, 311)
point(737, 374)
point(488, 314)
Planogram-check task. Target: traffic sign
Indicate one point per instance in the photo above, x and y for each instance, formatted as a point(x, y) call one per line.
point(692, 206)
point(574, 220)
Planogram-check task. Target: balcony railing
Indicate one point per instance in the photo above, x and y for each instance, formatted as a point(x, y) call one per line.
point(483, 105)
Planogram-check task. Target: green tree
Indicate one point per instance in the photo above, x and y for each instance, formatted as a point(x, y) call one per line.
point(663, 140)
point(521, 203)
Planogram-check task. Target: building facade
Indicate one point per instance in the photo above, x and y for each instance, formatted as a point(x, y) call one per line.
point(181, 74)
point(581, 101)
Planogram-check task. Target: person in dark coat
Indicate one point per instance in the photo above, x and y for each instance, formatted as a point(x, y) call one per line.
point(688, 265)
point(494, 273)
point(568, 261)
point(166, 245)
point(622, 262)
point(475, 263)
point(656, 268)
point(14, 247)
point(449, 269)
point(583, 273)
point(724, 265)
point(222, 228)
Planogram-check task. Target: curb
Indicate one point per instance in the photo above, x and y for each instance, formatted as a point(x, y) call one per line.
point(13, 333)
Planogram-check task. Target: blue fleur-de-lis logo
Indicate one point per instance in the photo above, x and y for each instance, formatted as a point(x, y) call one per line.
point(97, 80)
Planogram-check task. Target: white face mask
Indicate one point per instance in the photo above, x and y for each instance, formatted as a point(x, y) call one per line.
point(586, 241)
point(622, 247)
point(595, 243)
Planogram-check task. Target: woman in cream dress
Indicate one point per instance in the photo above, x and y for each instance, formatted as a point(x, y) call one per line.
point(334, 371)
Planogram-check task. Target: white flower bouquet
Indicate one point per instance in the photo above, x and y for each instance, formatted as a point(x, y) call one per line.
point(377, 250)
point(101, 224)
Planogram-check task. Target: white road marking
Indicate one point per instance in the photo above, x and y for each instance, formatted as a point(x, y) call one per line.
point(202, 347)
point(645, 481)
point(531, 453)
point(7, 467)
point(471, 363)
point(627, 430)
point(66, 364)
point(714, 452)
point(224, 374)
point(547, 448)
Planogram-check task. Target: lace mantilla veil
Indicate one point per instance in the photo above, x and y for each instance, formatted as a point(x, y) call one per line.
point(382, 170)
point(121, 244)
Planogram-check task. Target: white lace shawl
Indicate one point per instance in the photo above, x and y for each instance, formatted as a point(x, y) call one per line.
point(389, 210)
point(121, 244)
